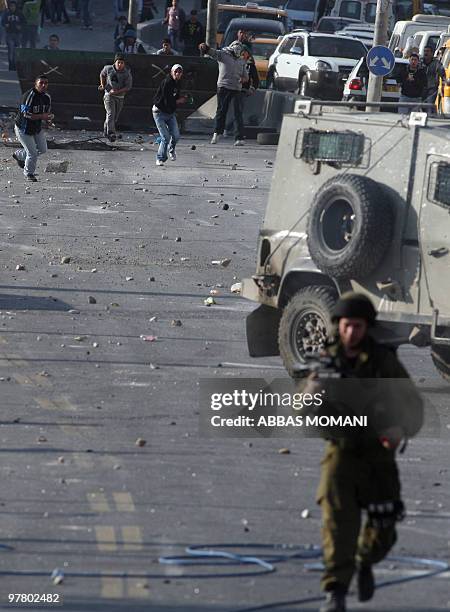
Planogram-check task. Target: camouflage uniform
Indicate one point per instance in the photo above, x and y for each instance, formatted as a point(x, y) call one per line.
point(357, 472)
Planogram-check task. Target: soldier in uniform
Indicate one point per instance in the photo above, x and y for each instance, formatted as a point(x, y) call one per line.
point(360, 472)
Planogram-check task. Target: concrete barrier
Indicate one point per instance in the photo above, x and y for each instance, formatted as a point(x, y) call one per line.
point(263, 111)
point(74, 79)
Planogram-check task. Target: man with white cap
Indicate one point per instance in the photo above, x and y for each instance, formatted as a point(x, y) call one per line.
point(165, 104)
point(232, 73)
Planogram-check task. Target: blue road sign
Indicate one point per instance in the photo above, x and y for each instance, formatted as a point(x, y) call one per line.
point(380, 61)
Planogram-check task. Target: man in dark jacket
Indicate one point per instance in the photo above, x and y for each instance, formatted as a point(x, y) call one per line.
point(13, 21)
point(434, 71)
point(413, 82)
point(165, 104)
point(192, 34)
point(359, 470)
point(34, 109)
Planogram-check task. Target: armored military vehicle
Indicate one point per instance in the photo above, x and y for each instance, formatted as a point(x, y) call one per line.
point(358, 201)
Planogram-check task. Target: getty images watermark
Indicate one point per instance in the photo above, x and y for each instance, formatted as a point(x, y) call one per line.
point(346, 407)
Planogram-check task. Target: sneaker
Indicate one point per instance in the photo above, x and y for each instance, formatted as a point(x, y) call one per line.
point(31, 177)
point(238, 143)
point(366, 582)
point(159, 162)
point(172, 156)
point(215, 138)
point(20, 163)
point(226, 133)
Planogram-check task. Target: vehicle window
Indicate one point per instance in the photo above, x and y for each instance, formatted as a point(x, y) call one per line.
point(371, 10)
point(439, 184)
point(224, 17)
point(417, 39)
point(403, 10)
point(287, 44)
point(350, 8)
point(363, 71)
point(336, 47)
point(231, 34)
point(262, 50)
point(433, 42)
point(301, 5)
point(299, 45)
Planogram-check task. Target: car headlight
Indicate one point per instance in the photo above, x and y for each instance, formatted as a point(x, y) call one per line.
point(320, 65)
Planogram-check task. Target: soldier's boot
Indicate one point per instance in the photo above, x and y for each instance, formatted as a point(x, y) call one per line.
point(366, 582)
point(335, 601)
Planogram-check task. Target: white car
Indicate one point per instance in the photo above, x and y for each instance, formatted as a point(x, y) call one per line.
point(314, 64)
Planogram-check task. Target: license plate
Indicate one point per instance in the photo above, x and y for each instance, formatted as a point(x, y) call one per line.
point(391, 88)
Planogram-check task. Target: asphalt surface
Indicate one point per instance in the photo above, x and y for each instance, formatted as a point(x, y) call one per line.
point(79, 387)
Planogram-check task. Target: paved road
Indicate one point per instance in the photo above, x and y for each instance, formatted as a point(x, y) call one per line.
point(79, 387)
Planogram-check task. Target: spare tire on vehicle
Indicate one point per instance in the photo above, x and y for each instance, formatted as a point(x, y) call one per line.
point(350, 226)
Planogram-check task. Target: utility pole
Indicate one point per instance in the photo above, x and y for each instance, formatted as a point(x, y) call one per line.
point(211, 24)
point(374, 87)
point(133, 13)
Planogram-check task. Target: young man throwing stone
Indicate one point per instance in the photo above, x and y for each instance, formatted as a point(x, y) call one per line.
point(35, 108)
point(116, 81)
point(165, 104)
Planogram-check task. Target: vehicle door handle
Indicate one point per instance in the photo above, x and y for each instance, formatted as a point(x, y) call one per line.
point(439, 252)
point(288, 62)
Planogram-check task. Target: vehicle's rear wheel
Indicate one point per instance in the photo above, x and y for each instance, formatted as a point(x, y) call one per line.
point(305, 324)
point(441, 360)
point(304, 87)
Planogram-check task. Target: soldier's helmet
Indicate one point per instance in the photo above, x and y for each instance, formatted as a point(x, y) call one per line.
point(354, 306)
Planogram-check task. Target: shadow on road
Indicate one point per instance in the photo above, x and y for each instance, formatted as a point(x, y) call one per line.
point(21, 302)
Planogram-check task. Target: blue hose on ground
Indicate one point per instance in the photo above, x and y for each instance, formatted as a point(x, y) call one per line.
point(215, 555)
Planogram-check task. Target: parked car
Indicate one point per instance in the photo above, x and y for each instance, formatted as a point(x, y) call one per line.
point(355, 88)
point(250, 10)
point(426, 38)
point(406, 29)
point(258, 28)
point(314, 64)
point(330, 25)
point(365, 33)
point(300, 13)
point(364, 10)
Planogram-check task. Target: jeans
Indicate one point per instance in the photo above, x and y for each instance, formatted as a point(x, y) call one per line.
point(224, 99)
point(33, 145)
point(173, 37)
point(29, 36)
point(113, 107)
point(12, 42)
point(85, 13)
point(231, 120)
point(405, 110)
point(168, 130)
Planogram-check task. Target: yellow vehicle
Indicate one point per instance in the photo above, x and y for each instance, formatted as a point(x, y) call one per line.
point(443, 101)
point(227, 12)
point(262, 49)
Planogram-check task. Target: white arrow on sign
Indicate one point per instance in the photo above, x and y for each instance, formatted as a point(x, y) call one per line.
point(385, 62)
point(374, 61)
